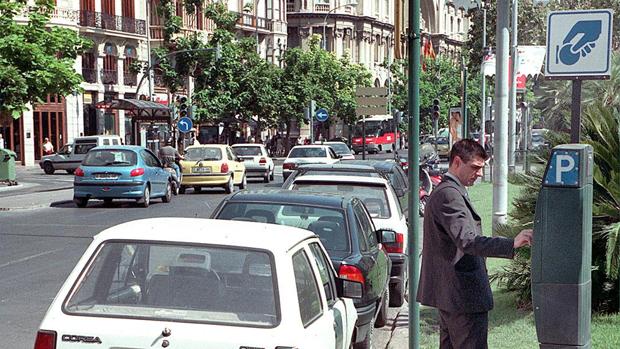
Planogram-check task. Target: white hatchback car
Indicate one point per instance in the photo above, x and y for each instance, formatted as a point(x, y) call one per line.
point(384, 208)
point(308, 154)
point(212, 284)
point(256, 160)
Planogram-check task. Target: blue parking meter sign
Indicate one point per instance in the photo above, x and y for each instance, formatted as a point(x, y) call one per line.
point(185, 124)
point(563, 169)
point(579, 43)
point(322, 115)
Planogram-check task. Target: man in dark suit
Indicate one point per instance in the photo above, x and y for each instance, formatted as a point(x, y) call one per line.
point(453, 276)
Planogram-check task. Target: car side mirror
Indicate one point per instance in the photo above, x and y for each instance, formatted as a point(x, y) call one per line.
point(349, 289)
point(386, 236)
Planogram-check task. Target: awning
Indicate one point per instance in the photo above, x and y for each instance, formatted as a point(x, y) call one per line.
point(137, 108)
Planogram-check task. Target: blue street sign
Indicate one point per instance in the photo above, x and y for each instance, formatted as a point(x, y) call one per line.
point(185, 124)
point(563, 169)
point(579, 43)
point(321, 115)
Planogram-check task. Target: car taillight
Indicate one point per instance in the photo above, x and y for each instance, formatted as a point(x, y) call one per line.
point(224, 168)
point(137, 172)
point(262, 161)
point(79, 172)
point(396, 247)
point(288, 166)
point(45, 340)
point(352, 273)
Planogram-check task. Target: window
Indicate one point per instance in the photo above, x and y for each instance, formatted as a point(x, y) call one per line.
point(149, 159)
point(368, 228)
point(310, 307)
point(84, 148)
point(203, 154)
point(247, 151)
point(308, 152)
point(229, 153)
point(325, 271)
point(109, 157)
point(373, 195)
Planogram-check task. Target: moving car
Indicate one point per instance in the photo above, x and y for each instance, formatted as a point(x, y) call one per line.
point(212, 284)
point(212, 165)
point(256, 160)
point(70, 156)
point(308, 154)
point(382, 204)
point(121, 172)
point(345, 229)
point(341, 149)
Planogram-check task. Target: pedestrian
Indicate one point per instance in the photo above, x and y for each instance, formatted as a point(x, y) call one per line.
point(48, 147)
point(453, 276)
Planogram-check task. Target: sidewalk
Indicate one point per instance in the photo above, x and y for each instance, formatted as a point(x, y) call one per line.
point(35, 200)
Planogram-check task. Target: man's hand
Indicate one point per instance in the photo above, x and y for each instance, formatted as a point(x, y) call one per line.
point(524, 238)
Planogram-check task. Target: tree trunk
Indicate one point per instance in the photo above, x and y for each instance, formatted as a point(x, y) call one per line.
point(287, 140)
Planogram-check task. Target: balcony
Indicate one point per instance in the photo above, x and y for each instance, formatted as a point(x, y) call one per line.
point(249, 20)
point(321, 8)
point(130, 79)
point(89, 74)
point(110, 77)
point(110, 22)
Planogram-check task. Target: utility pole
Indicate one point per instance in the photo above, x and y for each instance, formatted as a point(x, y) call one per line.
point(484, 92)
point(500, 150)
point(148, 48)
point(413, 42)
point(512, 125)
point(465, 119)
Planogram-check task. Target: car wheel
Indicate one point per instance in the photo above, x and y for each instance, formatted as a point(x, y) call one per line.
point(272, 176)
point(367, 342)
point(80, 202)
point(397, 295)
point(197, 189)
point(107, 201)
point(48, 168)
point(230, 186)
point(382, 316)
point(146, 197)
point(168, 194)
point(182, 190)
point(70, 171)
point(266, 177)
point(244, 183)
point(175, 188)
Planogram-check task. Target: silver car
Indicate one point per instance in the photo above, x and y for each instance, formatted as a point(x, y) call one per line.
point(308, 154)
point(256, 160)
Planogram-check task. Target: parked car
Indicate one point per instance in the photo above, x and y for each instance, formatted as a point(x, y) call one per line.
point(345, 229)
point(70, 156)
point(341, 149)
point(443, 147)
point(339, 169)
point(256, 160)
point(212, 165)
point(382, 204)
point(308, 154)
point(539, 140)
point(212, 284)
point(121, 172)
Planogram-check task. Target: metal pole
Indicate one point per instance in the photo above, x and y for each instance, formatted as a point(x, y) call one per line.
point(148, 48)
point(526, 136)
point(575, 116)
point(512, 125)
point(465, 118)
point(413, 41)
point(363, 137)
point(312, 107)
point(500, 150)
point(483, 106)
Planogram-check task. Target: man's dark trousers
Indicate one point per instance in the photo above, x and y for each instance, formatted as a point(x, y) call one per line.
point(463, 330)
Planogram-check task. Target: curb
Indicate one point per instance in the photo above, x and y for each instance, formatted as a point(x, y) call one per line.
point(11, 187)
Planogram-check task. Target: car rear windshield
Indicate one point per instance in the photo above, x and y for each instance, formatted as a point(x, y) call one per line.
point(313, 152)
point(340, 148)
point(340, 173)
point(110, 157)
point(203, 154)
point(373, 196)
point(327, 223)
point(178, 282)
point(247, 151)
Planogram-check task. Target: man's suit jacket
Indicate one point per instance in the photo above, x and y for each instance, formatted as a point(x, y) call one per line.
point(453, 276)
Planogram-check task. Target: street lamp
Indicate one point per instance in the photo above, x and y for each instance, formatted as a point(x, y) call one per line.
point(352, 3)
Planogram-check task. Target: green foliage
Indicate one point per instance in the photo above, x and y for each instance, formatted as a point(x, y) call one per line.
point(34, 60)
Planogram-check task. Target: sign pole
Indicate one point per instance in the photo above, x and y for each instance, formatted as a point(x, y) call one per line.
point(363, 137)
point(575, 117)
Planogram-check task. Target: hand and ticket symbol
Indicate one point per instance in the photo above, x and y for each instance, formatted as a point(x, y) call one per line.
point(585, 33)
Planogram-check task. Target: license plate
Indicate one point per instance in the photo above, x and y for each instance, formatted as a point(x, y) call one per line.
point(106, 176)
point(201, 169)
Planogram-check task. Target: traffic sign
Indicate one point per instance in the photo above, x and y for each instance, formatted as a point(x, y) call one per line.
point(322, 115)
point(185, 124)
point(579, 44)
point(563, 169)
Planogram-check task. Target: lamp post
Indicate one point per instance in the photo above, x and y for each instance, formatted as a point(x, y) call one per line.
point(352, 3)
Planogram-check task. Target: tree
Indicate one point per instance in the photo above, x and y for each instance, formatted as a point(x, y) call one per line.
point(35, 60)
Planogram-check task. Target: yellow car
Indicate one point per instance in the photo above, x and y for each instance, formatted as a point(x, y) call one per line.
point(212, 165)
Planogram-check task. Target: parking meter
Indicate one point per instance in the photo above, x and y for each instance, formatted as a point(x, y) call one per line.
point(562, 250)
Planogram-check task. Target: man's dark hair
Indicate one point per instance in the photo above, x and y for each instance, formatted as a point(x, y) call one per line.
point(467, 149)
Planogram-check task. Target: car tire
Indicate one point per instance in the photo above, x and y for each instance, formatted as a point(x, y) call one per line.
point(272, 176)
point(146, 197)
point(182, 189)
point(70, 171)
point(48, 168)
point(168, 193)
point(244, 183)
point(382, 315)
point(230, 186)
point(266, 177)
point(80, 202)
point(397, 295)
point(367, 342)
point(107, 201)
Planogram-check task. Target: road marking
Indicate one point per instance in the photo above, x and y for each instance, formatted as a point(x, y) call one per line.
point(29, 257)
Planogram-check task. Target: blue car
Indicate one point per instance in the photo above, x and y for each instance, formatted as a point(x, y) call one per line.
point(121, 172)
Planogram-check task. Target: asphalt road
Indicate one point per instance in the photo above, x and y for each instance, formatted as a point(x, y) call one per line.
point(39, 246)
